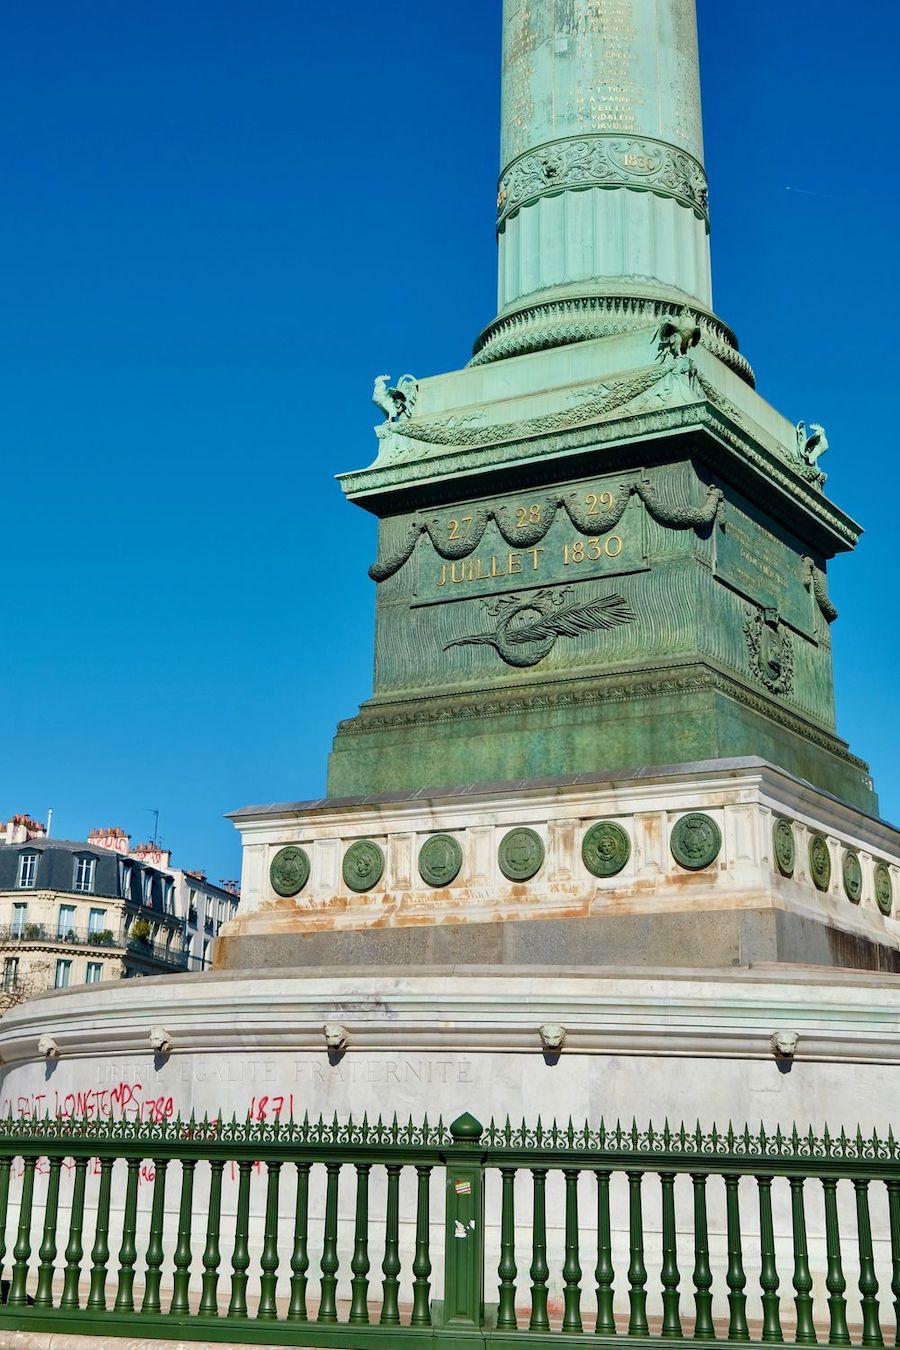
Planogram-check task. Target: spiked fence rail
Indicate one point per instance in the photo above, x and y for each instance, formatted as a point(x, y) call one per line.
point(184, 1292)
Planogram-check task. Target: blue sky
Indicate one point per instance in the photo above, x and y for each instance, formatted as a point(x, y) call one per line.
point(221, 221)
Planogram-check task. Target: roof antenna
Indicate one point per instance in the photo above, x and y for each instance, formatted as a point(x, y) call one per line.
point(154, 812)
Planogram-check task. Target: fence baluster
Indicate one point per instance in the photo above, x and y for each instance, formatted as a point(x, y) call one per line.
point(300, 1255)
point(671, 1323)
point(572, 1264)
point(329, 1263)
point(240, 1255)
point(128, 1250)
point(806, 1331)
point(181, 1279)
point(5, 1168)
point(735, 1277)
point(868, 1283)
point(268, 1261)
point(74, 1248)
point(212, 1256)
point(604, 1274)
point(506, 1271)
point(540, 1271)
point(43, 1297)
point(768, 1271)
point(390, 1266)
point(22, 1249)
point(893, 1190)
point(834, 1281)
point(704, 1326)
point(153, 1277)
point(100, 1254)
point(421, 1309)
point(359, 1266)
point(637, 1270)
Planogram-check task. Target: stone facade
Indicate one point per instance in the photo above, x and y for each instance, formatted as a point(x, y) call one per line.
point(713, 864)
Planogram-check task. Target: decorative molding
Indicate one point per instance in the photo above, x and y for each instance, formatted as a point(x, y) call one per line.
point(558, 323)
point(603, 160)
point(814, 580)
point(673, 682)
point(771, 651)
point(528, 627)
point(595, 404)
point(675, 515)
point(722, 420)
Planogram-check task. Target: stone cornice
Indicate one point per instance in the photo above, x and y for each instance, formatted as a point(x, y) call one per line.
point(663, 682)
point(840, 1017)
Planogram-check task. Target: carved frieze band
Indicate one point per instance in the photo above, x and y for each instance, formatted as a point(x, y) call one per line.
point(674, 515)
point(603, 160)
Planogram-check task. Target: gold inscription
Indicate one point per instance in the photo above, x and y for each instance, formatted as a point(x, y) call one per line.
point(594, 501)
point(592, 550)
point(490, 569)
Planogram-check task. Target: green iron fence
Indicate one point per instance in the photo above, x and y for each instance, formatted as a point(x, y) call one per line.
point(233, 1233)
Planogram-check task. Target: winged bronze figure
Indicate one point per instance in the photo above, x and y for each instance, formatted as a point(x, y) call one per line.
point(528, 631)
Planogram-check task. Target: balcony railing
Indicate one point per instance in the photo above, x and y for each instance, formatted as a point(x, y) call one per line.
point(158, 952)
point(40, 932)
point(116, 940)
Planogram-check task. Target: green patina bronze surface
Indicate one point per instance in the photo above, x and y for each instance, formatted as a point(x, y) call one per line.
point(820, 862)
point(606, 849)
point(521, 855)
point(853, 877)
point(785, 847)
point(363, 865)
point(884, 888)
point(440, 860)
point(289, 871)
point(598, 545)
point(696, 841)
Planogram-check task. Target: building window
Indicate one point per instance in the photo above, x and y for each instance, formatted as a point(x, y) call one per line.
point(27, 877)
point(96, 921)
point(84, 874)
point(65, 927)
point(169, 896)
point(10, 973)
point(63, 975)
point(148, 888)
point(20, 915)
point(127, 874)
point(94, 972)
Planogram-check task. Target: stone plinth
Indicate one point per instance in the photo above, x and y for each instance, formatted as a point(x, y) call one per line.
point(573, 871)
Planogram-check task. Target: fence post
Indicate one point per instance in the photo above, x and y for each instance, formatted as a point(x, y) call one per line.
point(464, 1228)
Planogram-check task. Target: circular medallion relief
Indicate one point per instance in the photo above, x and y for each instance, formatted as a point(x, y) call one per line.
point(606, 849)
point(521, 855)
point(785, 847)
point(853, 877)
point(289, 871)
point(884, 888)
point(820, 862)
point(696, 841)
point(363, 865)
point(440, 860)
